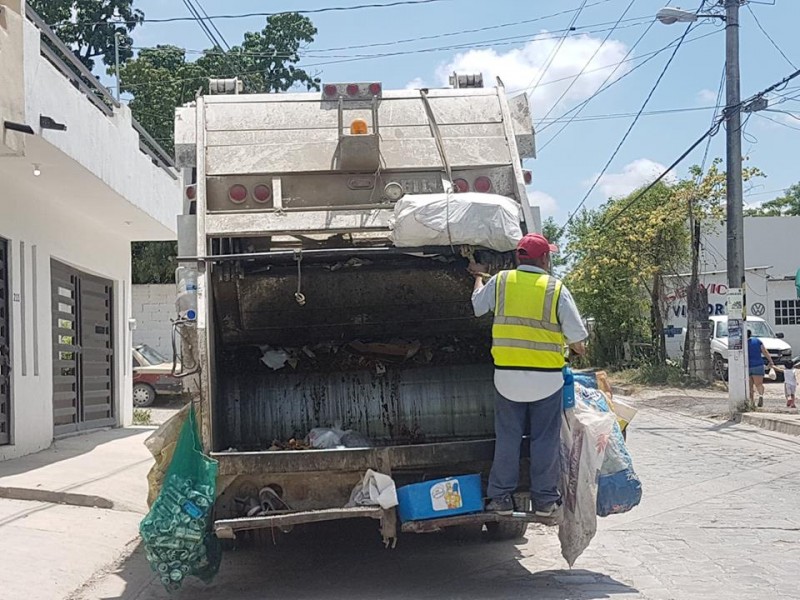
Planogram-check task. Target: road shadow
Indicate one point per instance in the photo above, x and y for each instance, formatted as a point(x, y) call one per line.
point(65, 449)
point(347, 561)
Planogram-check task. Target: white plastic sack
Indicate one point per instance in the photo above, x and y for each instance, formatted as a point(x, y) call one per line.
point(376, 489)
point(585, 432)
point(487, 220)
point(325, 438)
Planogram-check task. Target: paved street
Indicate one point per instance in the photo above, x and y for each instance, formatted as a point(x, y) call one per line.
point(718, 520)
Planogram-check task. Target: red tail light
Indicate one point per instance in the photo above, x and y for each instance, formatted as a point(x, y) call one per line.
point(237, 193)
point(460, 186)
point(330, 90)
point(483, 185)
point(191, 192)
point(527, 176)
point(352, 90)
point(262, 193)
point(375, 89)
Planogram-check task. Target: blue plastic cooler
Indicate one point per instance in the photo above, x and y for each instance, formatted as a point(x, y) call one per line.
point(440, 498)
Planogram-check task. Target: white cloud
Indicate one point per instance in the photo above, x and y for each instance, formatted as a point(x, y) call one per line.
point(546, 203)
point(415, 84)
point(633, 176)
point(521, 68)
point(707, 96)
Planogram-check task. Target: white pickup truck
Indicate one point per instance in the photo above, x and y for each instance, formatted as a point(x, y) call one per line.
point(773, 342)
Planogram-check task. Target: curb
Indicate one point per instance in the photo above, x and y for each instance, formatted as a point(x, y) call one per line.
point(772, 423)
point(68, 498)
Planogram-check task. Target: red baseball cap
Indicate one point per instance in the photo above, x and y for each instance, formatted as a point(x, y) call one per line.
point(535, 245)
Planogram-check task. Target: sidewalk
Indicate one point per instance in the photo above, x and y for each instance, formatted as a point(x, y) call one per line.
point(71, 510)
point(782, 423)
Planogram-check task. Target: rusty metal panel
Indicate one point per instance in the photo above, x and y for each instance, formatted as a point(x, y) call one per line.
point(406, 405)
point(403, 297)
point(255, 224)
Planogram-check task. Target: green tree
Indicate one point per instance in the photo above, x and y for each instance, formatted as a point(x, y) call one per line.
point(552, 231)
point(621, 253)
point(89, 26)
point(154, 262)
point(788, 204)
point(161, 79)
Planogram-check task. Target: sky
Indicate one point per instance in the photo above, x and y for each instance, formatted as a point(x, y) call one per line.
point(531, 55)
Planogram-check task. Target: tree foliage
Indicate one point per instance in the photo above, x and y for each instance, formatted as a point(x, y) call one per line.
point(788, 204)
point(154, 262)
point(161, 79)
point(89, 26)
point(621, 252)
point(552, 231)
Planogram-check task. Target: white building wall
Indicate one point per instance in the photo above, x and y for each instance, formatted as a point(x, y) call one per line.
point(153, 307)
point(56, 232)
point(788, 321)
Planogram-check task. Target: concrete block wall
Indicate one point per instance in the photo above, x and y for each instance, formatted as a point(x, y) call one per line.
point(153, 308)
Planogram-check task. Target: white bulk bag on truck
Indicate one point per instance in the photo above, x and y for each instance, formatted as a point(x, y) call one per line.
point(487, 220)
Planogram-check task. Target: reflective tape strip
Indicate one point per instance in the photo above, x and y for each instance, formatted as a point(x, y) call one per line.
point(510, 343)
point(549, 296)
point(525, 322)
point(501, 293)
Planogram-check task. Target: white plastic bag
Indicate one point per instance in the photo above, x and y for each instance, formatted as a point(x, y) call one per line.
point(487, 220)
point(585, 432)
point(376, 489)
point(325, 438)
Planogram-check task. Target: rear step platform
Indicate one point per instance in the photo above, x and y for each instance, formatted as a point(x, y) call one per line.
point(431, 525)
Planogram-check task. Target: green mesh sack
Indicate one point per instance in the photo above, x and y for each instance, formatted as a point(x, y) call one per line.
point(177, 531)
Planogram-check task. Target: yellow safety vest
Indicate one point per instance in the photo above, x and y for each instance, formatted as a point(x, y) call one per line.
point(526, 333)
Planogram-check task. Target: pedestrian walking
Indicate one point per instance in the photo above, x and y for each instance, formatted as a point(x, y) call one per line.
point(789, 382)
point(534, 316)
point(756, 353)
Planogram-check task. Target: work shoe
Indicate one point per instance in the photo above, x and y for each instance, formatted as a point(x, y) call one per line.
point(548, 510)
point(760, 401)
point(503, 505)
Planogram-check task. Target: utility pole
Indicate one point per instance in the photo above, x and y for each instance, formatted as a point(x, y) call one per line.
point(116, 61)
point(737, 309)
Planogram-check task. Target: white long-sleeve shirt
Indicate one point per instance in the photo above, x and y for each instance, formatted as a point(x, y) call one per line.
point(530, 386)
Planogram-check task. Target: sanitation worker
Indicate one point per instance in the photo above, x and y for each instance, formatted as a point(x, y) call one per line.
point(534, 317)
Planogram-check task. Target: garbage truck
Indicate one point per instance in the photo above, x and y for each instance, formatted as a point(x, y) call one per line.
point(302, 309)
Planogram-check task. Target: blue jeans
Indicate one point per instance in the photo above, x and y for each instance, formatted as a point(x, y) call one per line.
point(543, 420)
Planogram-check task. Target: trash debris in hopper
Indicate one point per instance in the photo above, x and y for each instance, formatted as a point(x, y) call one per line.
point(274, 359)
point(327, 438)
point(398, 350)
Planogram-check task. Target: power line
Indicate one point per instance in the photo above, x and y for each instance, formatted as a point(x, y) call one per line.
point(577, 110)
point(630, 128)
point(777, 122)
point(769, 37)
point(309, 11)
point(591, 58)
point(556, 48)
point(487, 44)
point(711, 132)
point(649, 113)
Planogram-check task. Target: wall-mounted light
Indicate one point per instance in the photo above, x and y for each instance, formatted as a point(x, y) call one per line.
point(37, 170)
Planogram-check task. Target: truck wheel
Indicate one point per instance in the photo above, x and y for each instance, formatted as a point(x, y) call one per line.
point(143, 395)
point(506, 530)
point(720, 372)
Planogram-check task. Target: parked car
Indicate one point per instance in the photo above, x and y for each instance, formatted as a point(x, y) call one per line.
point(152, 376)
point(773, 342)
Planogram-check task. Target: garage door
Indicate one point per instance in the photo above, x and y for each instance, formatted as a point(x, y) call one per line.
point(83, 357)
point(5, 350)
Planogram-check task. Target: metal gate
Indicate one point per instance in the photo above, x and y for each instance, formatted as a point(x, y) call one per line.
point(83, 356)
point(5, 350)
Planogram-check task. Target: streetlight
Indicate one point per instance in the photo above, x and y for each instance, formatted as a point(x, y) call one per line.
point(737, 308)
